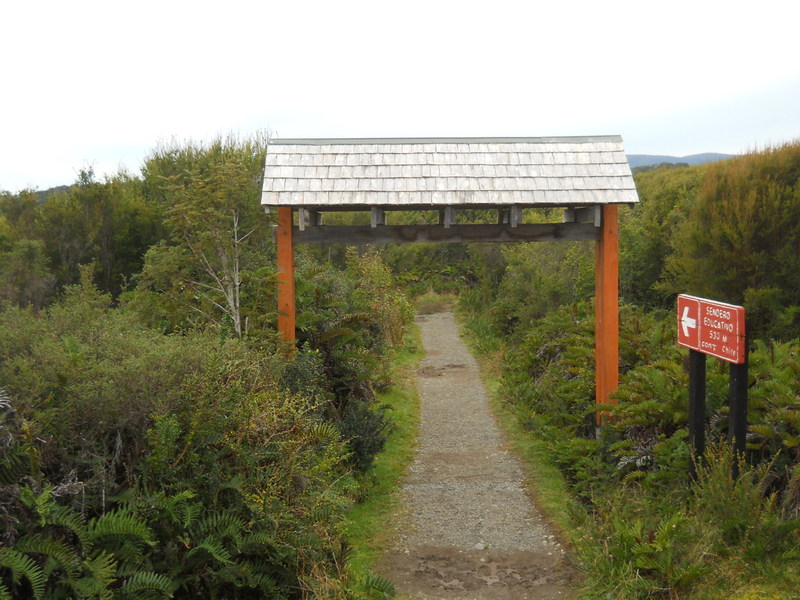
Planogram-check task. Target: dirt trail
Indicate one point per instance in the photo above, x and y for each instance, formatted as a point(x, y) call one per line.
point(469, 529)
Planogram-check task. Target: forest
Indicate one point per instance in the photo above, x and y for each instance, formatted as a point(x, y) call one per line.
point(157, 439)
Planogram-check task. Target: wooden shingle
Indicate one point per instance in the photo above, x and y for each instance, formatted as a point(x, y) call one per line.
point(408, 173)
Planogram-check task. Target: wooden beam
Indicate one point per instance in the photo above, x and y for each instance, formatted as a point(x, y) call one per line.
point(365, 234)
point(606, 317)
point(286, 291)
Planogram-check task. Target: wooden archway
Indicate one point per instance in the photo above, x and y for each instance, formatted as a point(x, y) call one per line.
point(587, 176)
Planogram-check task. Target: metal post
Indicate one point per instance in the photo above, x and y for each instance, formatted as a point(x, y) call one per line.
point(697, 408)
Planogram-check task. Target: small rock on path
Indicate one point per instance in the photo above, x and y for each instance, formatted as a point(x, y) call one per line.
point(468, 529)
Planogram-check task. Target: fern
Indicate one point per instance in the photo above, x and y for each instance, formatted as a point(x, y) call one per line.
point(64, 557)
point(323, 514)
point(120, 522)
point(258, 540)
point(380, 587)
point(39, 503)
point(147, 581)
point(13, 465)
point(221, 525)
point(325, 432)
point(263, 582)
point(102, 568)
point(213, 548)
point(63, 516)
point(23, 566)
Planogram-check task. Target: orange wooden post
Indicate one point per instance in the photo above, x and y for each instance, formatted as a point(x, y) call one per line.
point(606, 316)
point(286, 297)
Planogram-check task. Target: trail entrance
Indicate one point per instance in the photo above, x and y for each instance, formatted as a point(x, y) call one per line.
point(471, 531)
point(586, 176)
point(468, 528)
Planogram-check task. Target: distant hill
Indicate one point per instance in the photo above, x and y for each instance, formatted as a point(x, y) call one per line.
point(645, 160)
point(45, 194)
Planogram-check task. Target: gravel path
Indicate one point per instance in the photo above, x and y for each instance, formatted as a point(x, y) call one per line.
point(468, 529)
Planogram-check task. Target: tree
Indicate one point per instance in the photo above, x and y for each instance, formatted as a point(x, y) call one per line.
point(217, 231)
point(25, 278)
point(741, 240)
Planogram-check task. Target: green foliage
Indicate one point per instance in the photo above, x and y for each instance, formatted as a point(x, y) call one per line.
point(199, 475)
point(108, 225)
point(740, 240)
point(218, 233)
point(348, 326)
point(25, 278)
point(155, 440)
point(647, 231)
point(546, 375)
point(774, 404)
point(444, 268)
point(539, 278)
point(743, 516)
point(100, 559)
point(646, 532)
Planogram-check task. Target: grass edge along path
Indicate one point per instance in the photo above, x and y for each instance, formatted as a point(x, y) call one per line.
point(365, 524)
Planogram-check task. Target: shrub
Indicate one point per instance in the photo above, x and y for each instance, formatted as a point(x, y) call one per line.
point(229, 485)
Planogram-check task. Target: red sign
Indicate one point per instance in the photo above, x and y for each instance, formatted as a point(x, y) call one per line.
point(711, 327)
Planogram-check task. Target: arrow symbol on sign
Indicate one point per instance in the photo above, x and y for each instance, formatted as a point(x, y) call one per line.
point(687, 322)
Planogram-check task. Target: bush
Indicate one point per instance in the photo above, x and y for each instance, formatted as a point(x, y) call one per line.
point(208, 478)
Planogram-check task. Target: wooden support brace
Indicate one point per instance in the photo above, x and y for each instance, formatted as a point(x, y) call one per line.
point(515, 215)
point(607, 309)
point(378, 217)
point(583, 214)
point(286, 290)
point(447, 217)
point(307, 216)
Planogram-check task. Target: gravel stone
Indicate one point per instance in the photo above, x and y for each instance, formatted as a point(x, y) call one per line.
point(465, 505)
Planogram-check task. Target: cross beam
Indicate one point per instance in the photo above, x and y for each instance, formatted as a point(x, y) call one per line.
point(445, 233)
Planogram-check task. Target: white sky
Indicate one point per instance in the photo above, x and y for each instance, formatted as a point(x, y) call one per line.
point(101, 83)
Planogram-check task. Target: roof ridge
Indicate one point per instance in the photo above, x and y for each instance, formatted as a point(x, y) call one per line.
point(578, 139)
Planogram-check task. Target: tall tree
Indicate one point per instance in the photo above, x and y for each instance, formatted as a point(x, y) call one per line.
point(217, 230)
point(105, 223)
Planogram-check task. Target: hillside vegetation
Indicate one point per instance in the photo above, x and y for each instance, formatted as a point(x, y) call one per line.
point(157, 440)
point(641, 529)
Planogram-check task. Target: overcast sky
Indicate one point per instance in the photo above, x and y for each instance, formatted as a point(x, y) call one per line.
point(101, 83)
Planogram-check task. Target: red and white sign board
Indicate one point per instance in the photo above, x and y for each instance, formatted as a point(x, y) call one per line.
point(711, 327)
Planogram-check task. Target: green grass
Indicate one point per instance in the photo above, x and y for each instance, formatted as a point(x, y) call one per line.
point(431, 302)
point(365, 527)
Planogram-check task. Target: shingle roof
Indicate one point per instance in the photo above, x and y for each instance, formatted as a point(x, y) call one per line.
point(427, 172)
